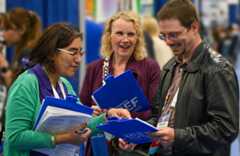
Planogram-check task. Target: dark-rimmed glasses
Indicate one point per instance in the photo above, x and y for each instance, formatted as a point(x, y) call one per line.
point(171, 35)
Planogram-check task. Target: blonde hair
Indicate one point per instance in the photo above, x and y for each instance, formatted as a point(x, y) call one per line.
point(150, 25)
point(106, 48)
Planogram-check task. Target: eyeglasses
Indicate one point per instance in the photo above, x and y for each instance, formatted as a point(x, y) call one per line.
point(72, 51)
point(171, 35)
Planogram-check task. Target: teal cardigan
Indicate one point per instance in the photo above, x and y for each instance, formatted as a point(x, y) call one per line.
point(22, 108)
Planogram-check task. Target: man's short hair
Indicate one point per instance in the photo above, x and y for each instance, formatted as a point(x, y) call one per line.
point(182, 10)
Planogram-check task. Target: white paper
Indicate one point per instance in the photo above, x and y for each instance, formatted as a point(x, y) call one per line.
point(62, 150)
point(56, 119)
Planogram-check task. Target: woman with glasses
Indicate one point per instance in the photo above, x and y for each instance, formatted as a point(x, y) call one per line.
point(57, 54)
point(44, 78)
point(122, 49)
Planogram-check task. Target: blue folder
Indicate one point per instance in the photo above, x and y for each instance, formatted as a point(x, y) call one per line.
point(122, 91)
point(131, 130)
point(99, 145)
point(70, 103)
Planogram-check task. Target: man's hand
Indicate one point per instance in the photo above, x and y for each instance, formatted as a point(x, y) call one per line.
point(125, 146)
point(165, 135)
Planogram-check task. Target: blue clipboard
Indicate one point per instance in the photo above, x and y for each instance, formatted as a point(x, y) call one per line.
point(122, 91)
point(132, 130)
point(70, 103)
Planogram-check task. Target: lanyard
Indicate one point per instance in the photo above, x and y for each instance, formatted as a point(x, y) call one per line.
point(174, 100)
point(165, 117)
point(55, 93)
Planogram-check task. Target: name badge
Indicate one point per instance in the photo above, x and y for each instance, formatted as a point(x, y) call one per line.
point(163, 120)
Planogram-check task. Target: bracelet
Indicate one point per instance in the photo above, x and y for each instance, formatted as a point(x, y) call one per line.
point(53, 139)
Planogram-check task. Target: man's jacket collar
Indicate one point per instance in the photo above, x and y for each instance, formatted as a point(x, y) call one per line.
point(195, 62)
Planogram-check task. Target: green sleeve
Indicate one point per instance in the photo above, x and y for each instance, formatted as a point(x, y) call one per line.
point(22, 106)
point(94, 122)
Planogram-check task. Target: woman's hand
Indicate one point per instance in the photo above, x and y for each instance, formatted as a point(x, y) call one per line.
point(75, 136)
point(119, 112)
point(96, 110)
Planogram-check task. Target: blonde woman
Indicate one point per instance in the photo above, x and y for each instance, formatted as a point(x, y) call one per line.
point(162, 51)
point(122, 49)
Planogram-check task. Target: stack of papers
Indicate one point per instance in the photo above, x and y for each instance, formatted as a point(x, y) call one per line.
point(131, 130)
point(122, 91)
point(59, 115)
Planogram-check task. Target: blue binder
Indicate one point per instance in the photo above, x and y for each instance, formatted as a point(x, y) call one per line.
point(122, 91)
point(70, 103)
point(132, 130)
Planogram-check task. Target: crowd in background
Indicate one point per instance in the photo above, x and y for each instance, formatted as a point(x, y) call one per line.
point(226, 41)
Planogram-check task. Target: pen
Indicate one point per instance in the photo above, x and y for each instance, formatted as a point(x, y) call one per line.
point(81, 131)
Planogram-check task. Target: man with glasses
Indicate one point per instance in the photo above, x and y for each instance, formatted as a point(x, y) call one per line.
point(196, 107)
